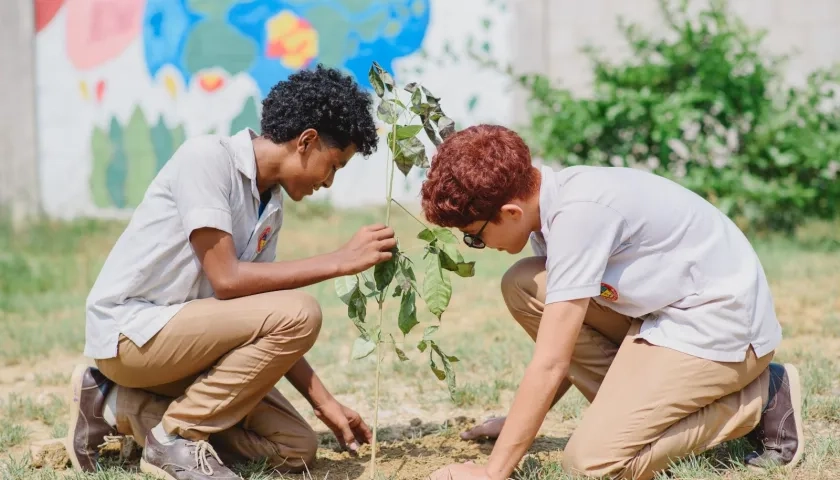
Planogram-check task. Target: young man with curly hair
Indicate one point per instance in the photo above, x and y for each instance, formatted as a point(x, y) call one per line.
point(191, 322)
point(641, 294)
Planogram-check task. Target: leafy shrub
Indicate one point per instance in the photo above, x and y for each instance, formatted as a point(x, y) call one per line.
point(702, 105)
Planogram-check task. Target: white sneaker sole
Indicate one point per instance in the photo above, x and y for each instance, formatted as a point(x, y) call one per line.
point(154, 471)
point(796, 399)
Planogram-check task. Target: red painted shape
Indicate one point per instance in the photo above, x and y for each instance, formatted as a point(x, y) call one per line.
point(45, 11)
point(100, 90)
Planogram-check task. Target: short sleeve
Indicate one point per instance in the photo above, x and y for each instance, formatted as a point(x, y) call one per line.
point(581, 238)
point(201, 186)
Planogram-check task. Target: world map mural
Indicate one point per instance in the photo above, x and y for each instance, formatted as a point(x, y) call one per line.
point(149, 73)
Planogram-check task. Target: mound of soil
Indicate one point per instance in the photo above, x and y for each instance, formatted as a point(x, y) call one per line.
point(416, 450)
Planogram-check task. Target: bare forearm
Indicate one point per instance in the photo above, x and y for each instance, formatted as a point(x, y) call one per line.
point(305, 381)
point(250, 278)
point(533, 399)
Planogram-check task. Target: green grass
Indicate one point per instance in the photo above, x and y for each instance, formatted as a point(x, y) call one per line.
point(49, 410)
point(11, 434)
point(46, 272)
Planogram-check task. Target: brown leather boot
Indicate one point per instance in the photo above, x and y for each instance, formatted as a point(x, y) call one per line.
point(87, 428)
point(778, 438)
point(183, 460)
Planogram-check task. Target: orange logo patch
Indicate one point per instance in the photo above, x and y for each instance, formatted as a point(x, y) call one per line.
point(263, 239)
point(608, 292)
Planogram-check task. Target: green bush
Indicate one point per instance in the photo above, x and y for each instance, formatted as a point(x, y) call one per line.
point(703, 106)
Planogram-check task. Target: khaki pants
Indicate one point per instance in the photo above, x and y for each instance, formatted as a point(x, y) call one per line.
point(650, 405)
point(210, 374)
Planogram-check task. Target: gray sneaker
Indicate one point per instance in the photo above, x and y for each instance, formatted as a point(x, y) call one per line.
point(183, 460)
point(778, 439)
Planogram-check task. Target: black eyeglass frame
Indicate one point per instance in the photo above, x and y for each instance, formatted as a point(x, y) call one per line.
point(475, 241)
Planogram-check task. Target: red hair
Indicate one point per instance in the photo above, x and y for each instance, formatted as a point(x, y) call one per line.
point(474, 173)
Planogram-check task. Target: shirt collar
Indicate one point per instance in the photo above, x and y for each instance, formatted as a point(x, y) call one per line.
point(548, 188)
point(246, 161)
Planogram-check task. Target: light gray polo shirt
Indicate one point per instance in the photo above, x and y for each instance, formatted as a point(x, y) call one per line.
point(152, 270)
point(649, 248)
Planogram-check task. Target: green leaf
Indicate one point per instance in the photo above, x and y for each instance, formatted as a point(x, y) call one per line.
point(384, 272)
point(443, 234)
point(449, 372)
point(405, 276)
point(357, 307)
point(362, 348)
point(388, 80)
point(437, 287)
point(410, 151)
point(429, 331)
point(408, 131)
point(432, 100)
point(398, 291)
point(426, 235)
point(380, 79)
point(388, 112)
point(408, 312)
point(416, 98)
point(446, 127)
point(465, 269)
point(344, 287)
point(440, 374)
point(368, 282)
point(400, 354)
point(431, 132)
point(411, 87)
point(450, 256)
point(403, 163)
point(451, 259)
point(422, 345)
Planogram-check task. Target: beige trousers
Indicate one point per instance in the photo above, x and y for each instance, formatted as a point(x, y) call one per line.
point(210, 374)
point(650, 405)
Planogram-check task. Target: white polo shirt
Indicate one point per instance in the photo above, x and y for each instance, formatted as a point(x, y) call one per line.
point(152, 271)
point(649, 248)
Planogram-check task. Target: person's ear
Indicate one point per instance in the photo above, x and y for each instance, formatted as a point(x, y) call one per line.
point(306, 140)
point(512, 211)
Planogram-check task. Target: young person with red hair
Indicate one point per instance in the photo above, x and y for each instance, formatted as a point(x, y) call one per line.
point(641, 294)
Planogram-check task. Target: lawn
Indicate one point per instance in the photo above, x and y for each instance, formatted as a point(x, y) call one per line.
point(47, 270)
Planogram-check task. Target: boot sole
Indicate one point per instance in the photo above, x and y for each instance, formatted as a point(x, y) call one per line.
point(796, 398)
point(76, 386)
point(154, 471)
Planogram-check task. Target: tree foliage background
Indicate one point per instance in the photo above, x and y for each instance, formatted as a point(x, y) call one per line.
point(704, 106)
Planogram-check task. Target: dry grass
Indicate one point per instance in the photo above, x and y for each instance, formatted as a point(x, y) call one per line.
point(45, 275)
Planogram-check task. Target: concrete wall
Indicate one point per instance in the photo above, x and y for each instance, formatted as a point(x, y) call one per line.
point(18, 157)
point(556, 29)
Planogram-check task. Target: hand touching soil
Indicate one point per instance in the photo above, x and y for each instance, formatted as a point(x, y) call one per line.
point(489, 429)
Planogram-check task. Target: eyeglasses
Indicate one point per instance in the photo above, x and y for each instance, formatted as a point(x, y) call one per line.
point(475, 241)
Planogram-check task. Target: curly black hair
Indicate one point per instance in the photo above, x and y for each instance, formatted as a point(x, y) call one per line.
point(324, 99)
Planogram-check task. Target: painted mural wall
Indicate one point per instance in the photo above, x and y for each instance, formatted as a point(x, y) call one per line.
point(122, 83)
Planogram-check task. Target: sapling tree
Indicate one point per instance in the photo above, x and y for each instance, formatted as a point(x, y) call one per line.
point(396, 278)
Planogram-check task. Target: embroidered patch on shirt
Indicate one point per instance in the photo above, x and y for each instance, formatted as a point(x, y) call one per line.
point(263, 239)
point(608, 292)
